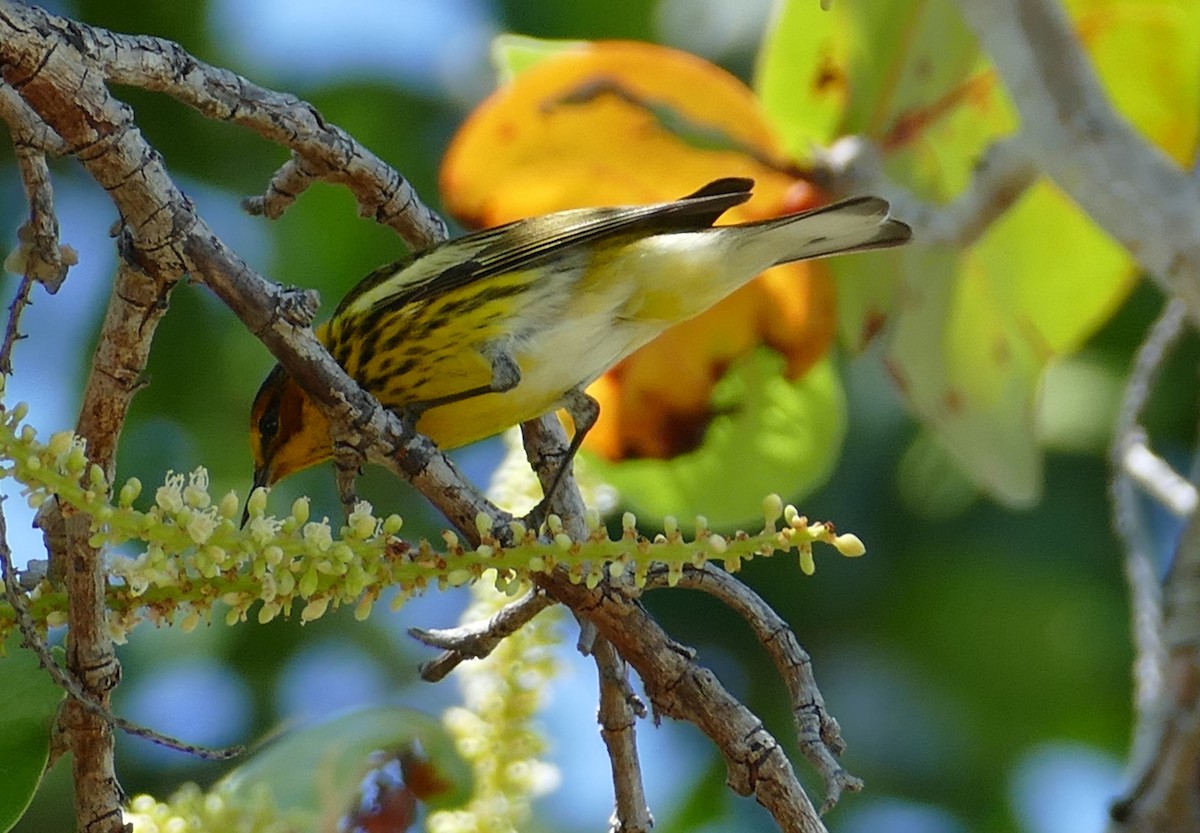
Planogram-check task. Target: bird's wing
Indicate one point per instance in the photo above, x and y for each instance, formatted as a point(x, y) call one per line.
point(525, 243)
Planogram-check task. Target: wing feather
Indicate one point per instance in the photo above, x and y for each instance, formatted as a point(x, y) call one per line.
point(525, 243)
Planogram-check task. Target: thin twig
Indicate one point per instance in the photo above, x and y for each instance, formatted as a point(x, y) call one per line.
point(1006, 171)
point(40, 256)
point(289, 182)
point(480, 639)
point(679, 688)
point(617, 716)
point(1128, 186)
point(1164, 793)
point(1158, 738)
point(817, 732)
point(26, 126)
point(11, 332)
point(43, 258)
point(325, 150)
point(1156, 476)
point(546, 447)
point(1140, 571)
point(32, 640)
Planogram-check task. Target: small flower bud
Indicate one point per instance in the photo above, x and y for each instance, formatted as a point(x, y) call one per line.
point(402, 596)
point(190, 621)
point(300, 510)
point(772, 510)
point(308, 583)
point(76, 459)
point(483, 524)
point(674, 573)
point(229, 505)
point(362, 610)
point(60, 443)
point(130, 492)
point(315, 609)
point(807, 565)
point(287, 583)
point(849, 545)
point(257, 503)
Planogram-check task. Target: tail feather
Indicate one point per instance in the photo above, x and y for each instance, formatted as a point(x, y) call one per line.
point(854, 225)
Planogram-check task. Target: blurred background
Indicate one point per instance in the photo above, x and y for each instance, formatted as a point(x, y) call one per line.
point(978, 662)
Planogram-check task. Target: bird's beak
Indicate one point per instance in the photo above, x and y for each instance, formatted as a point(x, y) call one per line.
point(262, 476)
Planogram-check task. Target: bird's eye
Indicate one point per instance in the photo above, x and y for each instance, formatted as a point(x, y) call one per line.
point(268, 424)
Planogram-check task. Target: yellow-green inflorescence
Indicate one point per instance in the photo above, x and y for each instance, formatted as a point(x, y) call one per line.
point(494, 729)
point(190, 810)
point(193, 553)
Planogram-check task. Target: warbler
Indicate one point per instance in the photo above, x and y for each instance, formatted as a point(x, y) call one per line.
point(500, 326)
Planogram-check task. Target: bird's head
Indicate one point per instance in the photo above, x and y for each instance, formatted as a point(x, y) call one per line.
point(288, 432)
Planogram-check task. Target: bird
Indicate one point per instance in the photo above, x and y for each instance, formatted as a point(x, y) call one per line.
point(482, 332)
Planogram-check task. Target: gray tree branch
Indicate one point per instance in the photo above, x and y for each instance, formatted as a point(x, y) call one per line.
point(1127, 185)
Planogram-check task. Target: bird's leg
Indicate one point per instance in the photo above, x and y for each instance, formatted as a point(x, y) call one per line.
point(584, 411)
point(347, 466)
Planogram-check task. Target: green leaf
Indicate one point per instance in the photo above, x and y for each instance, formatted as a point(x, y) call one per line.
point(1063, 424)
point(769, 435)
point(28, 704)
point(513, 54)
point(882, 69)
point(801, 76)
point(1147, 53)
point(931, 482)
point(973, 330)
point(313, 774)
point(977, 399)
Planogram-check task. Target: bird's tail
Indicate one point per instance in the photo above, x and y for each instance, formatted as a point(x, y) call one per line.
point(852, 225)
